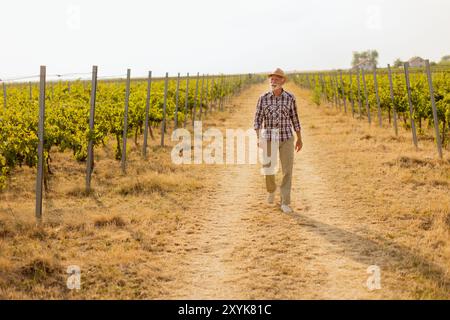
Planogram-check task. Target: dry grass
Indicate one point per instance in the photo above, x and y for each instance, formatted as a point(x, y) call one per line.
point(398, 194)
point(124, 234)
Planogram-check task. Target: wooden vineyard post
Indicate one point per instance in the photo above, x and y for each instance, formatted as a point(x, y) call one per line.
point(4, 95)
point(186, 101)
point(195, 98)
point(394, 109)
point(90, 154)
point(206, 95)
point(40, 164)
point(359, 95)
point(433, 105)
point(125, 122)
point(411, 109)
point(147, 111)
point(343, 93)
point(201, 97)
point(163, 123)
point(176, 102)
point(366, 96)
point(352, 100)
point(375, 82)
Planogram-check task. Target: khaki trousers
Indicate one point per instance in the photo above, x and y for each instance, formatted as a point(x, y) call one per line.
point(286, 150)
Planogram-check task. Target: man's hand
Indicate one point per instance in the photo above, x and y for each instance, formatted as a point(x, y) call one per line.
point(298, 145)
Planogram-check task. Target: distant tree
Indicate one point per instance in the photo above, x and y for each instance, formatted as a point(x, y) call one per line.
point(356, 58)
point(445, 60)
point(398, 63)
point(369, 55)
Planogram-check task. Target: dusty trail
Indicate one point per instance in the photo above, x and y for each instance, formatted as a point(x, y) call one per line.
point(247, 249)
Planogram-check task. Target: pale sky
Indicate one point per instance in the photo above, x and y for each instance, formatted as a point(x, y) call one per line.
point(232, 36)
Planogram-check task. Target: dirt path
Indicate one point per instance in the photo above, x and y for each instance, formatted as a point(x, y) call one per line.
point(247, 249)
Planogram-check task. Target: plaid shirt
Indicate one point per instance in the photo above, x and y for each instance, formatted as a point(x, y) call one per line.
point(277, 114)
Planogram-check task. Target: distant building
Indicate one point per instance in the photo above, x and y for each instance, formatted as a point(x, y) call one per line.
point(364, 64)
point(416, 62)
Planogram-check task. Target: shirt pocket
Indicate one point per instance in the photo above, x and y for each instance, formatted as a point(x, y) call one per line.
point(270, 111)
point(285, 114)
point(276, 112)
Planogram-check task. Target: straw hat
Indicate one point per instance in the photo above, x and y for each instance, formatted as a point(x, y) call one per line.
point(278, 72)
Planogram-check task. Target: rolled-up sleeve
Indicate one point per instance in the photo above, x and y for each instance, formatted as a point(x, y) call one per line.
point(294, 116)
point(258, 115)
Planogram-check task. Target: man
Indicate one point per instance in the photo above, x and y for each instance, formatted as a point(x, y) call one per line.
point(277, 109)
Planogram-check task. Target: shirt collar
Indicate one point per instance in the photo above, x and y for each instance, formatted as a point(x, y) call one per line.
point(282, 93)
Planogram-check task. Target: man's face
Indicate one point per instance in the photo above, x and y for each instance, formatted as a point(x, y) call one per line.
point(276, 81)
